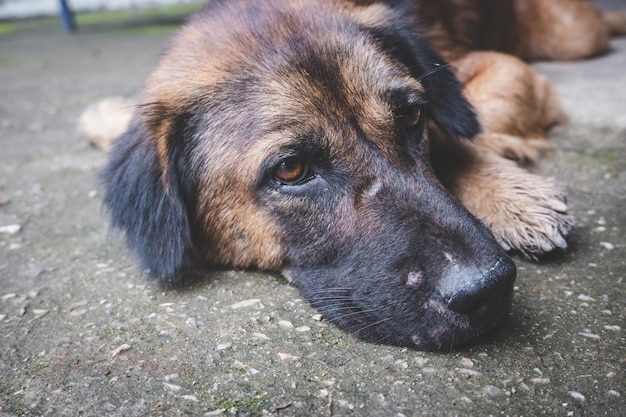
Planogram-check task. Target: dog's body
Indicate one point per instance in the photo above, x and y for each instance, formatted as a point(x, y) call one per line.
point(328, 141)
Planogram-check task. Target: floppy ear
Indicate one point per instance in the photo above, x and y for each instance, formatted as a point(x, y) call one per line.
point(454, 116)
point(449, 109)
point(145, 201)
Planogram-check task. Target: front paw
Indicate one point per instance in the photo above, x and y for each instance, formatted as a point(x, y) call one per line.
point(531, 217)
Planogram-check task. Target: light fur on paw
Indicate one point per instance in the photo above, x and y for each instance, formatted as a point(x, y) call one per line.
point(103, 122)
point(525, 212)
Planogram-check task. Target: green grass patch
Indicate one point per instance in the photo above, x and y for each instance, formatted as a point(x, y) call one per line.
point(249, 405)
point(142, 21)
point(110, 17)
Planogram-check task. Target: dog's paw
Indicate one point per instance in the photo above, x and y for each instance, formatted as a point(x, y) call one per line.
point(102, 122)
point(530, 216)
point(525, 212)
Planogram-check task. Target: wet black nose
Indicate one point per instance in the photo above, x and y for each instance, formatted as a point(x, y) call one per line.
point(479, 292)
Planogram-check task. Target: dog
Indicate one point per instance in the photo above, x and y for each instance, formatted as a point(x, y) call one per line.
point(372, 152)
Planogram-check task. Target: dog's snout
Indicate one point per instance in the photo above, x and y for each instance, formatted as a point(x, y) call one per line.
point(479, 292)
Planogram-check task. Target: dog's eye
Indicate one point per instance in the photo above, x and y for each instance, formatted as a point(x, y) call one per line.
point(411, 116)
point(291, 171)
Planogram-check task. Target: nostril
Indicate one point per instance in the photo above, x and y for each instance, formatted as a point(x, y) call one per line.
point(478, 303)
point(466, 303)
point(479, 292)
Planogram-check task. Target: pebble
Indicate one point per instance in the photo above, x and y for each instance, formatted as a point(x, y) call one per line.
point(345, 404)
point(288, 357)
point(245, 303)
point(285, 325)
point(224, 346)
point(10, 229)
point(613, 328)
point(576, 396)
point(122, 348)
point(613, 393)
point(607, 245)
point(172, 387)
point(492, 391)
point(540, 380)
point(77, 305)
point(467, 363)
point(303, 329)
point(193, 322)
point(317, 317)
point(589, 335)
point(583, 297)
point(470, 372)
point(77, 313)
point(237, 364)
point(189, 398)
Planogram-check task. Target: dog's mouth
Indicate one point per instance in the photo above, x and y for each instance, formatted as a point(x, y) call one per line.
point(433, 317)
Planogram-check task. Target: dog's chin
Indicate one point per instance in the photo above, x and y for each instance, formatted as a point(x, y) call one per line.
point(451, 330)
point(423, 323)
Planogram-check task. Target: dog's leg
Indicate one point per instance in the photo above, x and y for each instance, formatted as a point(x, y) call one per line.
point(525, 212)
point(514, 103)
point(564, 29)
point(616, 22)
point(515, 106)
point(102, 122)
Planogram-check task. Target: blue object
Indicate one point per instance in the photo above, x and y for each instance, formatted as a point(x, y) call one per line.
point(67, 17)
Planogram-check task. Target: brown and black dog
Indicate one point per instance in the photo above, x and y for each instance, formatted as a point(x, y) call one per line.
point(369, 151)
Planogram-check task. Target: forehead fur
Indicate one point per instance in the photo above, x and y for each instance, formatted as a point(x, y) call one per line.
point(248, 40)
point(289, 68)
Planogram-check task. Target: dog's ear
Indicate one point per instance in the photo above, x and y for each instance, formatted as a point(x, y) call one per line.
point(454, 116)
point(143, 196)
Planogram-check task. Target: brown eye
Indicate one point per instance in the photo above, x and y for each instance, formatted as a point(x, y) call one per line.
point(411, 116)
point(291, 171)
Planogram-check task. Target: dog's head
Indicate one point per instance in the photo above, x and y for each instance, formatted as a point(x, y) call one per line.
point(294, 139)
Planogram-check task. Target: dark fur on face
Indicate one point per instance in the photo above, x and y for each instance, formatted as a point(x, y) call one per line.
point(292, 136)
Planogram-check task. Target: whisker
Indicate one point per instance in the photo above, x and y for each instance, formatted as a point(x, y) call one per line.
point(438, 67)
point(381, 340)
point(371, 325)
point(353, 313)
point(336, 289)
point(331, 297)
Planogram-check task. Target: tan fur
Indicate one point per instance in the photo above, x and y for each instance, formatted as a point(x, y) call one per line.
point(563, 30)
point(102, 122)
point(616, 22)
point(515, 106)
point(524, 211)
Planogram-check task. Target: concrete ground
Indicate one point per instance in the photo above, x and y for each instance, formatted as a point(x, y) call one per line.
point(83, 333)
